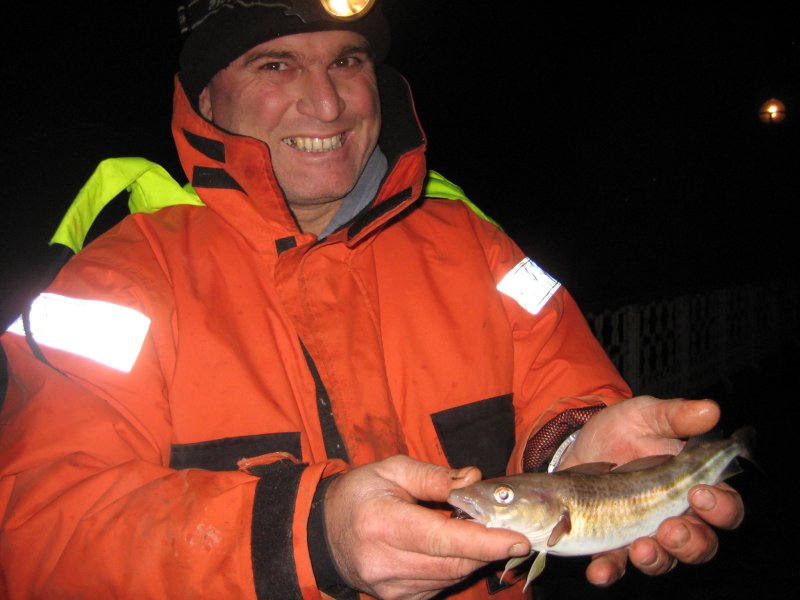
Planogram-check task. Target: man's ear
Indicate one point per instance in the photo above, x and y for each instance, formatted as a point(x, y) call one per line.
point(204, 104)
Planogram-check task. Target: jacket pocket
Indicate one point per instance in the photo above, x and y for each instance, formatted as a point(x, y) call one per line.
point(223, 454)
point(479, 433)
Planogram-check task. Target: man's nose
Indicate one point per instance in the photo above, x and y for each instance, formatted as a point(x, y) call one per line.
point(320, 97)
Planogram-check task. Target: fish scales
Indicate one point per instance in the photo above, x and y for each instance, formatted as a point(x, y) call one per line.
point(572, 513)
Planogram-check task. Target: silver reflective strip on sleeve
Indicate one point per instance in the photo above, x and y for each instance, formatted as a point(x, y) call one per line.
point(529, 285)
point(106, 333)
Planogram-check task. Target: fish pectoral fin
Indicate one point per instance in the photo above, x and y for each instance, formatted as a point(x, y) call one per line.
point(562, 528)
point(513, 564)
point(536, 569)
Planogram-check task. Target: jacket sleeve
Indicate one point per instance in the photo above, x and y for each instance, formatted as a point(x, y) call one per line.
point(559, 365)
point(89, 506)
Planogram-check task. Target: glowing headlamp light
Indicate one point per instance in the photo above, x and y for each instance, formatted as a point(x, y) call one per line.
point(193, 12)
point(347, 9)
point(337, 10)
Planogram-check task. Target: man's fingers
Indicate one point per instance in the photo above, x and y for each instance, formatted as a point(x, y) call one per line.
point(456, 538)
point(424, 481)
point(607, 568)
point(688, 539)
point(720, 505)
point(463, 477)
point(682, 418)
point(650, 558)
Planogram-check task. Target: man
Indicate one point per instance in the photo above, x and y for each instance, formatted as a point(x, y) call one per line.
point(251, 397)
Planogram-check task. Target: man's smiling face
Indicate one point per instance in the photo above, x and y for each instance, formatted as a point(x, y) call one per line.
point(313, 98)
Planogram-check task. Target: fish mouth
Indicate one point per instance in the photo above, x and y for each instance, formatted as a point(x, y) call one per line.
point(460, 513)
point(464, 507)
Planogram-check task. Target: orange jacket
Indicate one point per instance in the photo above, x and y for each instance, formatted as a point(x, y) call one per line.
point(387, 337)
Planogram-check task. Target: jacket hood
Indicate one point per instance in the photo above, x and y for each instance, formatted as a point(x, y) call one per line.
point(233, 173)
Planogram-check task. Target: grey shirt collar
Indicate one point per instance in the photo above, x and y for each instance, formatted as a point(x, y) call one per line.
point(362, 194)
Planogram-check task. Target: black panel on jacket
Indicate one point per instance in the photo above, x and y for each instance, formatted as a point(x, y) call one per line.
point(223, 454)
point(334, 444)
point(209, 177)
point(213, 149)
point(372, 214)
point(272, 546)
point(480, 434)
point(284, 244)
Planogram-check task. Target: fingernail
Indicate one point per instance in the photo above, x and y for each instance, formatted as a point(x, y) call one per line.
point(678, 536)
point(673, 565)
point(649, 559)
point(703, 499)
point(459, 474)
point(704, 410)
point(519, 550)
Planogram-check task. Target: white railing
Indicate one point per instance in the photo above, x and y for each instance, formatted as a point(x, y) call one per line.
point(683, 346)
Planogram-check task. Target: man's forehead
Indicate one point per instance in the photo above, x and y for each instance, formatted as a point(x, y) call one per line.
point(333, 42)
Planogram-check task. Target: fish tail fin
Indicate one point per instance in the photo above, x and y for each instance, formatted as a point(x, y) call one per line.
point(733, 468)
point(746, 439)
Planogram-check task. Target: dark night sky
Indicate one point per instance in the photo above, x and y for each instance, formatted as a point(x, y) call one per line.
point(617, 142)
point(620, 146)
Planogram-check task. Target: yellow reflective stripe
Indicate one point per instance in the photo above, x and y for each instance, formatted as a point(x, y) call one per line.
point(106, 333)
point(438, 186)
point(151, 188)
point(529, 285)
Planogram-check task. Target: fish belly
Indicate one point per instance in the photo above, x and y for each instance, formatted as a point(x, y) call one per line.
point(607, 525)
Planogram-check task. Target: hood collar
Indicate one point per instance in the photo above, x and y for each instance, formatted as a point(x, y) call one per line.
point(233, 173)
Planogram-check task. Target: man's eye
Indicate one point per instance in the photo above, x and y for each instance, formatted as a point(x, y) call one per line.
point(273, 66)
point(347, 61)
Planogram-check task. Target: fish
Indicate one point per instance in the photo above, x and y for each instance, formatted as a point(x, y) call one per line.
point(596, 508)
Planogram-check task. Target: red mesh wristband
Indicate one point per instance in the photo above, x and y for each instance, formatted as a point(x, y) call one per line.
point(543, 444)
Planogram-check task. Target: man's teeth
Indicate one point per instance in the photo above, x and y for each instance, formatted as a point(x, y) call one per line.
point(315, 144)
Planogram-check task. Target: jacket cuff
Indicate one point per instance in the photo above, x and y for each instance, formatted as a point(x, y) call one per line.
point(272, 544)
point(327, 575)
point(542, 445)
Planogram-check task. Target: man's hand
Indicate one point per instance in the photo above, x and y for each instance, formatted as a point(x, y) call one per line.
point(385, 544)
point(645, 426)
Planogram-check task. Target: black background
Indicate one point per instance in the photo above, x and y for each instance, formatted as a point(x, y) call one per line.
point(618, 143)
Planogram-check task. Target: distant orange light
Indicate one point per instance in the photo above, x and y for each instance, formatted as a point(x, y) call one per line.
point(772, 111)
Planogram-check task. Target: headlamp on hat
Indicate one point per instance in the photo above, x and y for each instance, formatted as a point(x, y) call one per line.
point(192, 14)
point(344, 9)
point(219, 31)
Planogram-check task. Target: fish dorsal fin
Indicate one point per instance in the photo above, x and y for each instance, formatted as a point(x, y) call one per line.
point(593, 468)
point(562, 528)
point(647, 462)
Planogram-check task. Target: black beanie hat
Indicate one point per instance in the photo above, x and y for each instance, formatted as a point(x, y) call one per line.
point(220, 31)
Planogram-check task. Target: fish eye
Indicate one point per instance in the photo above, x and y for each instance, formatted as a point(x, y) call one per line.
point(503, 494)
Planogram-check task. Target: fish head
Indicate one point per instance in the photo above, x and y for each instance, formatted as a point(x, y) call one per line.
point(508, 504)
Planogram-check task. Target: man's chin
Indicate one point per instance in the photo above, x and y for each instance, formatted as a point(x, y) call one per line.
point(324, 193)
